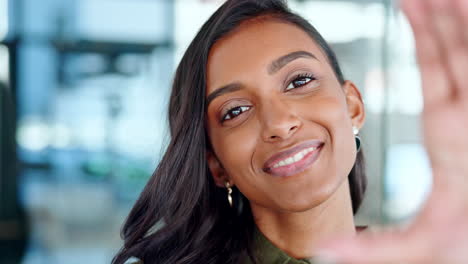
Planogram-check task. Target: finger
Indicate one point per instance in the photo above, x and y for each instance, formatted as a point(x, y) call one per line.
point(445, 24)
point(434, 77)
point(382, 248)
point(448, 29)
point(461, 7)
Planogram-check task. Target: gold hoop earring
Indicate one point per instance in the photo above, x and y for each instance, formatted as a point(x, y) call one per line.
point(229, 192)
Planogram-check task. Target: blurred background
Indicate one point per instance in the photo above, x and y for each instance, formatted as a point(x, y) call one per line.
point(84, 86)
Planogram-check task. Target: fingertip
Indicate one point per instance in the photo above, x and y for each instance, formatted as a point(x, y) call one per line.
point(341, 254)
point(415, 11)
point(407, 5)
point(339, 250)
point(326, 257)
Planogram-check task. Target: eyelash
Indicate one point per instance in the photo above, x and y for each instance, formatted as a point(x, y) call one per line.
point(301, 76)
point(231, 110)
point(244, 108)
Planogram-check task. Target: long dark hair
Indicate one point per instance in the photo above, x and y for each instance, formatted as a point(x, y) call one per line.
point(182, 216)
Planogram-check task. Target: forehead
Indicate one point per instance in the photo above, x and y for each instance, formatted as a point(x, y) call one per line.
point(251, 47)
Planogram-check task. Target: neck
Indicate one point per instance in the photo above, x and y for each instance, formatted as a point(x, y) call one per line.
point(299, 233)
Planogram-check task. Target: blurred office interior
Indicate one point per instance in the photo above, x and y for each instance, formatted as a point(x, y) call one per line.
point(84, 86)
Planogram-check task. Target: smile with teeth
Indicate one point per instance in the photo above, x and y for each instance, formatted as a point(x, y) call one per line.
point(295, 158)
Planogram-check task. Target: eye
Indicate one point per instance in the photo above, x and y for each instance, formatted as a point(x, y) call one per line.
point(234, 112)
point(300, 80)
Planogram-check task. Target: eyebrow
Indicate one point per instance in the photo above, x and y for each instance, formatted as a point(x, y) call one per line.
point(279, 63)
point(273, 67)
point(223, 90)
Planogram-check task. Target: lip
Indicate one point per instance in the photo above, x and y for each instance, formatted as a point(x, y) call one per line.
point(295, 167)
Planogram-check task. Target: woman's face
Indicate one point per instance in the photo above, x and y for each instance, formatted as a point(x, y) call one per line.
point(279, 122)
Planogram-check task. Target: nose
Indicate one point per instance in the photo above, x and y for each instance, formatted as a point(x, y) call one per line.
point(280, 122)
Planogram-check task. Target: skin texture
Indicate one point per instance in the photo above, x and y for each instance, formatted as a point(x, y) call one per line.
point(297, 211)
point(439, 234)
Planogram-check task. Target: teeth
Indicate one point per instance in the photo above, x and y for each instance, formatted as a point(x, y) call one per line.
point(297, 157)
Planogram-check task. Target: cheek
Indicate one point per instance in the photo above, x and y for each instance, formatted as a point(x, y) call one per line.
point(329, 111)
point(235, 149)
point(333, 116)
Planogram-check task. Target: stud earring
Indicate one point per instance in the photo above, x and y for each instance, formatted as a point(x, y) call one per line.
point(229, 192)
point(357, 138)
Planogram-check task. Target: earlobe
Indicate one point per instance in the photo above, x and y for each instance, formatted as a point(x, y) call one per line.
point(217, 171)
point(355, 104)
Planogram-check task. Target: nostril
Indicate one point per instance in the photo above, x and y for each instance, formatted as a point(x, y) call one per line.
point(293, 128)
point(282, 133)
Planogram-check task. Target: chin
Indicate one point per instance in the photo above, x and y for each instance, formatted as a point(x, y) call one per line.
point(307, 200)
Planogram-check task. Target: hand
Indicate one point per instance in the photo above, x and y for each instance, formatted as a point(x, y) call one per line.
point(439, 234)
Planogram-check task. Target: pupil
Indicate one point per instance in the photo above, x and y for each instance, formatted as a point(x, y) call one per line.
point(301, 82)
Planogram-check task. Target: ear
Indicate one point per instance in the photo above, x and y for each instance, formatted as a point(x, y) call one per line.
point(355, 104)
point(217, 171)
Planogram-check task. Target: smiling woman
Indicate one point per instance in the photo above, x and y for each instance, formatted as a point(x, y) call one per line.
point(263, 162)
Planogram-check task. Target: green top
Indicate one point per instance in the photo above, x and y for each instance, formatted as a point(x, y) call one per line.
point(266, 252)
